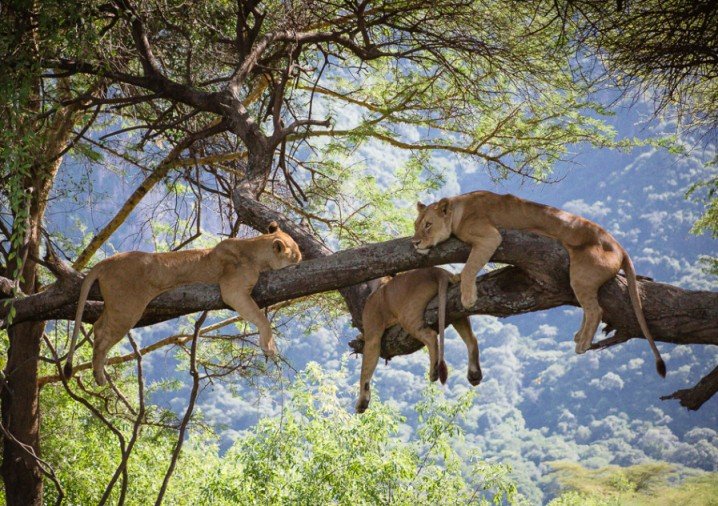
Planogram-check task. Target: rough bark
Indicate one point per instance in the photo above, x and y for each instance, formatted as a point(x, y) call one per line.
point(694, 398)
point(21, 416)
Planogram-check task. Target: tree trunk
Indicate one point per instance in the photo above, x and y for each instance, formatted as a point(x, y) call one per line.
point(19, 399)
point(21, 416)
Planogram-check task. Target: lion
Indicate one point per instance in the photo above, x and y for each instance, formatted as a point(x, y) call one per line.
point(595, 256)
point(129, 281)
point(403, 300)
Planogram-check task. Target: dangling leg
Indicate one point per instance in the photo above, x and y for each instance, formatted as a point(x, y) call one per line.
point(370, 357)
point(482, 249)
point(428, 336)
point(109, 330)
point(583, 324)
point(589, 269)
point(463, 327)
point(236, 286)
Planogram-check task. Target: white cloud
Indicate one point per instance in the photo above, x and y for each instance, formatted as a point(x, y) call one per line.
point(610, 381)
point(596, 210)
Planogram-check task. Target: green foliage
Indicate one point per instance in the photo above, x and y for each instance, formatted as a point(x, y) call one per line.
point(649, 484)
point(313, 452)
point(706, 192)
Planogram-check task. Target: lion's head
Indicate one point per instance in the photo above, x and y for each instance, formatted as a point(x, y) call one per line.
point(286, 252)
point(432, 226)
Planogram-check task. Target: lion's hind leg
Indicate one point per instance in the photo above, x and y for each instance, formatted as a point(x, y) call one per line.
point(109, 329)
point(414, 324)
point(370, 358)
point(463, 327)
point(589, 269)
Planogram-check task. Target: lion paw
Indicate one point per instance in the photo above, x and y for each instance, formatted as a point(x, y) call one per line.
point(581, 349)
point(468, 300)
point(99, 377)
point(361, 405)
point(474, 377)
point(269, 350)
point(433, 374)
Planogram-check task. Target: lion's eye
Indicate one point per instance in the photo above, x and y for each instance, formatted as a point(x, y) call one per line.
point(427, 226)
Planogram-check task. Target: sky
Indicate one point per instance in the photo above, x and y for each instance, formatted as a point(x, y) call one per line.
point(539, 401)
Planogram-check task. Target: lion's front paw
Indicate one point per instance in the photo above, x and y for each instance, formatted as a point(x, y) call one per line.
point(468, 300)
point(269, 349)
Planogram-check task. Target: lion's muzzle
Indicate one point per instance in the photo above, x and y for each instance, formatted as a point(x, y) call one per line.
point(419, 249)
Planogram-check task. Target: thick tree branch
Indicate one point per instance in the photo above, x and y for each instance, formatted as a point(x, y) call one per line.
point(255, 214)
point(539, 281)
point(675, 315)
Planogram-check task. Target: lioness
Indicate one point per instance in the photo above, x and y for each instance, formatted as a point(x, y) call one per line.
point(595, 256)
point(403, 299)
point(129, 281)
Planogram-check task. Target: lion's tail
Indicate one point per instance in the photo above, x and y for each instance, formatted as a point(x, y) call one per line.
point(443, 285)
point(84, 291)
point(630, 272)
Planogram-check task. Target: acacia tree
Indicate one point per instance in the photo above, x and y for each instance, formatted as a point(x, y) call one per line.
point(260, 106)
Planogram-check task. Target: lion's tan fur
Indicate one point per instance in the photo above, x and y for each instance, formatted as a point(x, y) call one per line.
point(595, 256)
point(403, 300)
point(129, 281)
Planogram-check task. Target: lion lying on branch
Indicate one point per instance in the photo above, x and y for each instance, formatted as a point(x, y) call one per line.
point(594, 255)
point(129, 281)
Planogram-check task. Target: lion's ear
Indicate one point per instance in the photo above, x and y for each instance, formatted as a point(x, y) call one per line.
point(272, 227)
point(278, 246)
point(420, 206)
point(444, 206)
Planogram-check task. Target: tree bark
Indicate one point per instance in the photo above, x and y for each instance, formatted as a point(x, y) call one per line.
point(258, 216)
point(19, 398)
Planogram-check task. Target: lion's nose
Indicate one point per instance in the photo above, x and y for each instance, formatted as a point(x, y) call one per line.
point(416, 242)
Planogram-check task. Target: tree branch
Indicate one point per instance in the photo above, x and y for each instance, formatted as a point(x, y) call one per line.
point(694, 398)
point(539, 281)
point(147, 184)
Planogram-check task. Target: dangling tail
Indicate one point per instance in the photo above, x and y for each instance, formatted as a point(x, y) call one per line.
point(443, 284)
point(84, 291)
point(630, 272)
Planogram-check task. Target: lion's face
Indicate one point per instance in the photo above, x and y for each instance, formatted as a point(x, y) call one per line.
point(284, 250)
point(432, 226)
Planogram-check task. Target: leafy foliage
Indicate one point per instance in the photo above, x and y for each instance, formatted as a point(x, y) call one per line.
point(312, 452)
point(652, 483)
